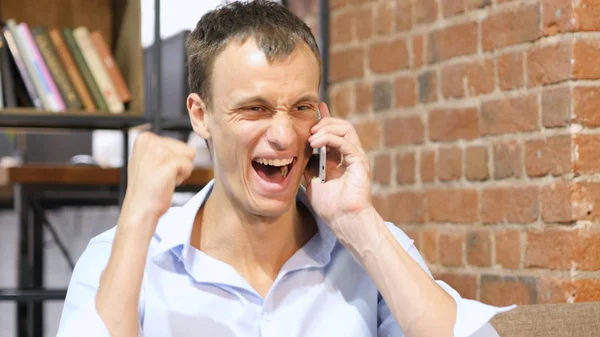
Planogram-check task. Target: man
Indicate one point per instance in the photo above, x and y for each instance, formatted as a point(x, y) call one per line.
point(254, 253)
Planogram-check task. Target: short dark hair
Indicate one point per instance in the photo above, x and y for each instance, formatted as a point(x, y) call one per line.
point(276, 29)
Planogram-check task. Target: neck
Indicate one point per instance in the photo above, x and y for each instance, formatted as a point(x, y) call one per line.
point(257, 247)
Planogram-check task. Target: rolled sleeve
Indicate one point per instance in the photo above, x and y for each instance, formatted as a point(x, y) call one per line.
point(79, 316)
point(472, 317)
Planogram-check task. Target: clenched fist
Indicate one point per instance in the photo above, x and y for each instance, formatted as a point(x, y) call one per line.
point(157, 165)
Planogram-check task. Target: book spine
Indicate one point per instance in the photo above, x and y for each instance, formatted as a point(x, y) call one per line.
point(10, 97)
point(85, 71)
point(20, 63)
point(56, 68)
point(56, 101)
point(111, 66)
point(72, 71)
point(90, 55)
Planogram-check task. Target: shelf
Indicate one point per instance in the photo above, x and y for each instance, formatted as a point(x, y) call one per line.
point(35, 174)
point(32, 295)
point(32, 118)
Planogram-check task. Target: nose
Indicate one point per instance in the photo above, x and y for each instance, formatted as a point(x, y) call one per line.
point(281, 132)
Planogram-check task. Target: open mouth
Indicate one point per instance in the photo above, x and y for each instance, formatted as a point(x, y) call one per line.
point(273, 170)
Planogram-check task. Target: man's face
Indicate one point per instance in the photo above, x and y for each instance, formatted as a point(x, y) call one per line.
point(260, 124)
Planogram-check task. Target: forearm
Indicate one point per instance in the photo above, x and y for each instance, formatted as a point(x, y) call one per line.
point(119, 290)
point(418, 304)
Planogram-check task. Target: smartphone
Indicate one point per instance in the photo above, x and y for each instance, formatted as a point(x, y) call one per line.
point(322, 153)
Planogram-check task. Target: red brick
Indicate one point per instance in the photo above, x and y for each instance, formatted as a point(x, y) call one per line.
point(511, 71)
point(363, 94)
point(587, 154)
point(382, 169)
point(465, 285)
point(548, 156)
point(430, 240)
point(413, 235)
point(587, 14)
point(405, 91)
point(481, 77)
point(556, 107)
point(453, 124)
point(586, 53)
point(547, 64)
point(518, 204)
point(507, 160)
point(477, 3)
point(559, 290)
point(386, 57)
point(363, 23)
point(369, 133)
point(341, 104)
point(405, 168)
point(451, 248)
point(452, 78)
point(452, 7)
point(341, 27)
point(384, 21)
point(586, 102)
point(427, 165)
point(560, 256)
point(417, 47)
point(403, 130)
point(558, 16)
point(380, 204)
point(453, 41)
point(406, 207)
point(359, 2)
point(449, 164)
point(585, 201)
point(452, 205)
point(494, 205)
point(508, 249)
point(508, 115)
point(509, 27)
point(346, 64)
point(428, 88)
point(578, 248)
point(426, 11)
point(476, 163)
point(523, 205)
point(508, 290)
point(556, 202)
point(588, 250)
point(333, 4)
point(479, 251)
point(403, 15)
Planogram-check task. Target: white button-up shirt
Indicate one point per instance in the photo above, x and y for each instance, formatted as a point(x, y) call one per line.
point(320, 291)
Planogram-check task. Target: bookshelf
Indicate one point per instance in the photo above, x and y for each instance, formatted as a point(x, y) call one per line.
point(119, 22)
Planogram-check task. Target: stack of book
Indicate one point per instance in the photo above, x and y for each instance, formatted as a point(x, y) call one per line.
point(59, 69)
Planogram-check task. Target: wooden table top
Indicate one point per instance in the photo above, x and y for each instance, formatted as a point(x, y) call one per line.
point(79, 175)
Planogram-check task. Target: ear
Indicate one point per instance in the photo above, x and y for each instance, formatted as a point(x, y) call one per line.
point(198, 113)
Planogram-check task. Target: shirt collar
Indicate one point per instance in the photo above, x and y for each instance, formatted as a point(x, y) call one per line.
point(174, 229)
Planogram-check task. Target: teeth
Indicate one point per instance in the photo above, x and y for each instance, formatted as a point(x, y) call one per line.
point(275, 162)
point(284, 171)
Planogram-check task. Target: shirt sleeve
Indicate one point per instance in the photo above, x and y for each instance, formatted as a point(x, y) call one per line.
point(472, 317)
point(79, 316)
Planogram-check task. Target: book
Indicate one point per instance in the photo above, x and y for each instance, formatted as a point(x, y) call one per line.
point(6, 74)
point(71, 69)
point(111, 66)
point(56, 68)
point(84, 69)
point(31, 93)
point(99, 73)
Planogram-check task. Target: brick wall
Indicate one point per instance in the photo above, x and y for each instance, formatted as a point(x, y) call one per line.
point(481, 120)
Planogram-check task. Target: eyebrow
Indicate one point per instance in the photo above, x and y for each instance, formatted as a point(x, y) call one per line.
point(261, 100)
